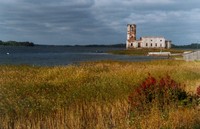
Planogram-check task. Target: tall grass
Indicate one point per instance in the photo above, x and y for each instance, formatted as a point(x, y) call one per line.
point(90, 95)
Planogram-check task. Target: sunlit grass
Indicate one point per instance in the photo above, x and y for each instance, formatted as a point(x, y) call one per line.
point(89, 95)
point(145, 51)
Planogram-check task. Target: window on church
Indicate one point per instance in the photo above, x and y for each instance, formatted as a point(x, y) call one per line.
point(139, 45)
point(146, 44)
point(151, 44)
point(156, 44)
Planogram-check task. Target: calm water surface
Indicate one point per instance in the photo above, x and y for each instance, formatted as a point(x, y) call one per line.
point(52, 56)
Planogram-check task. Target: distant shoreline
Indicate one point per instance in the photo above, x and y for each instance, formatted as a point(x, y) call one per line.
point(119, 45)
point(15, 43)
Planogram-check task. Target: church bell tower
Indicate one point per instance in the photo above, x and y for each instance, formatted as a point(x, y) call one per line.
point(131, 34)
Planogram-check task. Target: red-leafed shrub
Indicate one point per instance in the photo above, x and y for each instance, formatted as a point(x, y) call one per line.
point(198, 91)
point(156, 92)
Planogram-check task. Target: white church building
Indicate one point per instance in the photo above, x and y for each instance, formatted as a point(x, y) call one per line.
point(146, 41)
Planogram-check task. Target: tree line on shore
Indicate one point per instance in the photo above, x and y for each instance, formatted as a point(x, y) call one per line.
point(120, 45)
point(15, 43)
point(192, 46)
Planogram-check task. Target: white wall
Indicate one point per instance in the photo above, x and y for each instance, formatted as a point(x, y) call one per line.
point(152, 41)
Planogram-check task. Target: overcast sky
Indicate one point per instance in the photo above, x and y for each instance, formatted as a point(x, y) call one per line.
point(98, 21)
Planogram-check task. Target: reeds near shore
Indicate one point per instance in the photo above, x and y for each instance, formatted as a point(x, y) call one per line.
point(91, 95)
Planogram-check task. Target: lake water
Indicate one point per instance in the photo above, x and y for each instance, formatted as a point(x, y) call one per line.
point(53, 56)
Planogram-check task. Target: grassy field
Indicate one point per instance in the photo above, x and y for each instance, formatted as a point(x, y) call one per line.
point(91, 95)
point(144, 51)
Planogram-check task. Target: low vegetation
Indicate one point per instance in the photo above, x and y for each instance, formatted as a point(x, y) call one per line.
point(161, 96)
point(144, 51)
point(101, 95)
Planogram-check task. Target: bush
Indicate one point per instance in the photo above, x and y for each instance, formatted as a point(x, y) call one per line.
point(162, 93)
point(198, 91)
point(198, 96)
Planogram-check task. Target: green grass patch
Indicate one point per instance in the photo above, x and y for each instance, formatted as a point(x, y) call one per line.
point(143, 51)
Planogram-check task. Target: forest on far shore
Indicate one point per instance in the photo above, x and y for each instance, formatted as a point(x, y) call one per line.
point(191, 46)
point(15, 43)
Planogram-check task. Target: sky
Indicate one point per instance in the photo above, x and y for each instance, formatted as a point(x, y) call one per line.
point(70, 22)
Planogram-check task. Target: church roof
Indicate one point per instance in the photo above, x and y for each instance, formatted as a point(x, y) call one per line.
point(152, 37)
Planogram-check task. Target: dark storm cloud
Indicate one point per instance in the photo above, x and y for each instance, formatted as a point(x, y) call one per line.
point(173, 19)
point(97, 21)
point(36, 18)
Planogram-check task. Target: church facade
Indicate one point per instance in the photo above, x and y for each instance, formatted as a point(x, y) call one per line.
point(146, 41)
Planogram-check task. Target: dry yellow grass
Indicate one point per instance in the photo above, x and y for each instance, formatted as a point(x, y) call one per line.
point(91, 95)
